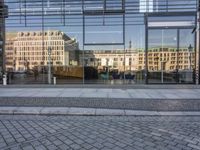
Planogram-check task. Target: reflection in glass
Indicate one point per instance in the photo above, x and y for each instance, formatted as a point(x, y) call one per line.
point(169, 60)
point(186, 56)
point(33, 28)
point(162, 55)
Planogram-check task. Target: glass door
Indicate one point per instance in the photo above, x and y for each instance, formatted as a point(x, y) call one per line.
point(162, 56)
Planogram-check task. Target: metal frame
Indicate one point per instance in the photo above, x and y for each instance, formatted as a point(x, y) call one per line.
point(108, 13)
point(102, 13)
point(146, 48)
point(198, 43)
point(178, 28)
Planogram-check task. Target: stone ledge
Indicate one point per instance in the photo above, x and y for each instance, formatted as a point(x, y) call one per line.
point(89, 111)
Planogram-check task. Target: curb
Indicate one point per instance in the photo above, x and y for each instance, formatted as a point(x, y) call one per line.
point(89, 112)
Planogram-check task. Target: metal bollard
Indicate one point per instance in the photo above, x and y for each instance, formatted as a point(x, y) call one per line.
point(54, 80)
point(4, 79)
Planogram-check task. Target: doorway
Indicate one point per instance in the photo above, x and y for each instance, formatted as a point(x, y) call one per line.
point(171, 55)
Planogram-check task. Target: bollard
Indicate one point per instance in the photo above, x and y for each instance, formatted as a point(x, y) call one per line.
point(54, 80)
point(4, 79)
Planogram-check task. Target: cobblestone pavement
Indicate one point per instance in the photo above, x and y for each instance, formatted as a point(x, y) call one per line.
point(105, 133)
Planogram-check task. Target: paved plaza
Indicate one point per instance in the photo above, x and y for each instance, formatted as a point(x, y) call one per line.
point(104, 133)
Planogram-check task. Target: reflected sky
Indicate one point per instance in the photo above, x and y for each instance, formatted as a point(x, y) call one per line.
point(99, 29)
point(168, 38)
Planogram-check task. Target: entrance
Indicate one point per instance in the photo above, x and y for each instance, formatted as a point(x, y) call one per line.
point(171, 56)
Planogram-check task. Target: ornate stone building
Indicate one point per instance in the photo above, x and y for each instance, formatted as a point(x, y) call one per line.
point(112, 58)
point(3, 15)
point(29, 50)
point(167, 59)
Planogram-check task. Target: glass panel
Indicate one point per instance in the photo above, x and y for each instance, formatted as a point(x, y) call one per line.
point(24, 45)
point(28, 41)
point(104, 29)
point(186, 57)
point(104, 64)
point(61, 53)
point(162, 55)
point(171, 21)
point(135, 54)
point(114, 65)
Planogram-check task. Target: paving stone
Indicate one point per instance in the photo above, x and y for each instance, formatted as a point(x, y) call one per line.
point(15, 148)
point(20, 140)
point(57, 142)
point(64, 147)
point(28, 148)
point(196, 147)
point(52, 147)
point(2, 144)
point(100, 132)
point(75, 146)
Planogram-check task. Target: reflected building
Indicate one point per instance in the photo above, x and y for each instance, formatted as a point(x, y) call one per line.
point(114, 59)
point(3, 15)
point(168, 59)
point(25, 50)
point(9, 51)
point(165, 31)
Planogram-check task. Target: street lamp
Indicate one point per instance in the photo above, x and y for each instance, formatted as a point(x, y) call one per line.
point(190, 48)
point(49, 65)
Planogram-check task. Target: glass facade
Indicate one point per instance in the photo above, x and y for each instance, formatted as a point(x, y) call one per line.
point(99, 41)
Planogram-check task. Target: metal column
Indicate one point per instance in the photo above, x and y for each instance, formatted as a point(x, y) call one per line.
point(146, 47)
point(197, 40)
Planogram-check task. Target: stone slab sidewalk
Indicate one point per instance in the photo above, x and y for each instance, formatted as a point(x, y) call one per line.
point(102, 93)
point(105, 86)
